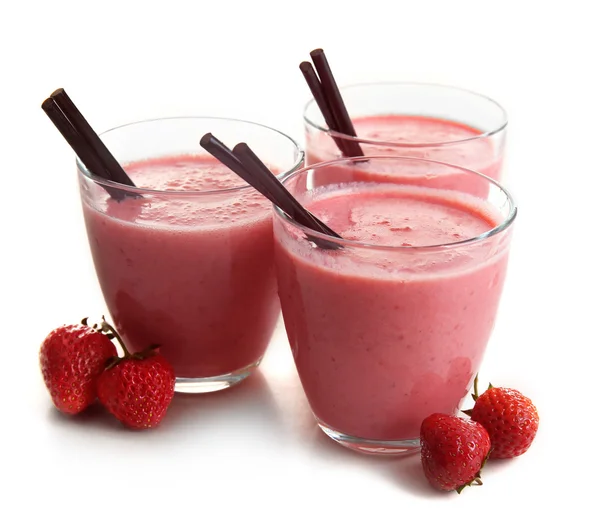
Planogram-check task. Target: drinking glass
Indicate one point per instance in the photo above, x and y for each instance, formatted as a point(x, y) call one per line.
point(428, 121)
point(390, 324)
point(186, 268)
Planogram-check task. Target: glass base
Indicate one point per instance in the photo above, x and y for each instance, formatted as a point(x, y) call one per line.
point(377, 447)
point(212, 384)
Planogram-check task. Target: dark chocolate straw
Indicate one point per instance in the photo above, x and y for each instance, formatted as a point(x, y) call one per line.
point(116, 172)
point(293, 208)
point(244, 162)
point(78, 144)
point(224, 155)
point(316, 90)
point(332, 94)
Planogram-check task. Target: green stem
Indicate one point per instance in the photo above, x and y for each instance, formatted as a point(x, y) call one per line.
point(107, 328)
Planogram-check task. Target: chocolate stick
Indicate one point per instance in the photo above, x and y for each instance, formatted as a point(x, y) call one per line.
point(335, 101)
point(116, 172)
point(78, 144)
point(292, 207)
point(224, 155)
point(316, 89)
point(248, 166)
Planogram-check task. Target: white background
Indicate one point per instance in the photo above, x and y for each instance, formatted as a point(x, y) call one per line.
point(255, 450)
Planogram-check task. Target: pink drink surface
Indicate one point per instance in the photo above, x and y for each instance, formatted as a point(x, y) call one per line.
point(382, 339)
point(192, 273)
point(477, 154)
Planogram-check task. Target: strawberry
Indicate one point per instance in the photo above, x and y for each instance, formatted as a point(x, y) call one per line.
point(453, 451)
point(137, 388)
point(509, 417)
point(71, 359)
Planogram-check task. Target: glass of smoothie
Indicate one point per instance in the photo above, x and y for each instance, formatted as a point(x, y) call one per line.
point(427, 121)
point(392, 324)
point(185, 259)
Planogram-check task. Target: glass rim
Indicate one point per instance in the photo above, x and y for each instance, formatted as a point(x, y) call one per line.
point(171, 192)
point(377, 142)
point(501, 227)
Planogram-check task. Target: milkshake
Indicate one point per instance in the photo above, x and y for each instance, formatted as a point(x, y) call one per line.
point(188, 264)
point(431, 122)
point(392, 326)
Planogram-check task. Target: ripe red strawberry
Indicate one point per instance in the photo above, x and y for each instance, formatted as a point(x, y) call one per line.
point(138, 388)
point(510, 419)
point(71, 359)
point(453, 451)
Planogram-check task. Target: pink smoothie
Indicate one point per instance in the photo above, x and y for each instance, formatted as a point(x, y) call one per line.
point(381, 339)
point(191, 272)
point(478, 154)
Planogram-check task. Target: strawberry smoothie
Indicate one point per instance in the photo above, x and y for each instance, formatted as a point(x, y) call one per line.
point(414, 136)
point(392, 327)
point(188, 266)
point(435, 122)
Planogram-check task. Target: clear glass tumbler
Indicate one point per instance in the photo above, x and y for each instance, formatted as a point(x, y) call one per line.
point(392, 324)
point(427, 121)
point(185, 260)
